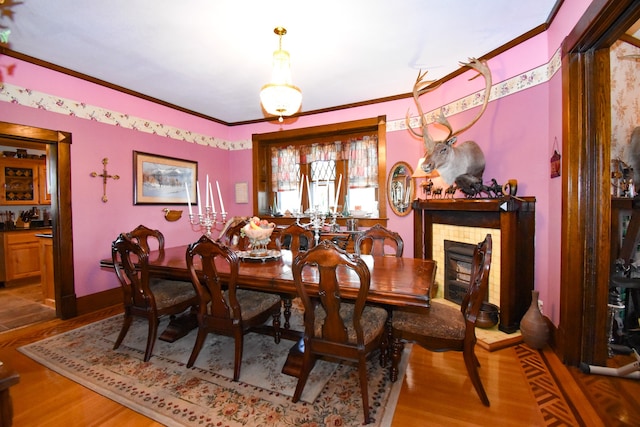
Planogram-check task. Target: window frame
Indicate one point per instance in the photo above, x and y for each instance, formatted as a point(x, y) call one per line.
point(262, 144)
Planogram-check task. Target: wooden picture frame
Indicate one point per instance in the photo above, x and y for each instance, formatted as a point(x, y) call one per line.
point(162, 180)
point(400, 188)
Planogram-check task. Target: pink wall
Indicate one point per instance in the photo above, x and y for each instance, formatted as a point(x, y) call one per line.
point(96, 224)
point(516, 134)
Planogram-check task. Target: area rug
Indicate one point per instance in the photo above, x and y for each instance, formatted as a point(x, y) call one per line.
point(164, 390)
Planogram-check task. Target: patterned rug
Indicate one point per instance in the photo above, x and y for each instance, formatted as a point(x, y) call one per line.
point(205, 395)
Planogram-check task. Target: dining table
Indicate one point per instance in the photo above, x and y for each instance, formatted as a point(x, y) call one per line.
point(396, 283)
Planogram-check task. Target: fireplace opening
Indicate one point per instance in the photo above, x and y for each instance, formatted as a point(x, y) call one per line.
point(458, 257)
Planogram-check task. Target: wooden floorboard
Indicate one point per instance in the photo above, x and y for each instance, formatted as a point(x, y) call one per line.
point(22, 305)
point(525, 387)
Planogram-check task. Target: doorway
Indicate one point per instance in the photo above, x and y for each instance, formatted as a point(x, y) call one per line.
point(586, 217)
point(57, 144)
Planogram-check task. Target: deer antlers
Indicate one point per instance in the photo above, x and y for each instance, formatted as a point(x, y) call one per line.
point(421, 86)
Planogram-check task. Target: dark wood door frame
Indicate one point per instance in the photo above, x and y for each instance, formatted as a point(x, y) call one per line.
point(59, 151)
point(586, 213)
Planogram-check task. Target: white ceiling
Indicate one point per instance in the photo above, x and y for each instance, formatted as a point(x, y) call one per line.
point(213, 56)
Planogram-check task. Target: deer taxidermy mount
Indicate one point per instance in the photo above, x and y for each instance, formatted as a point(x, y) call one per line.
point(463, 163)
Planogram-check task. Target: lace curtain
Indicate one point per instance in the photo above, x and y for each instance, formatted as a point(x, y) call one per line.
point(360, 153)
point(284, 168)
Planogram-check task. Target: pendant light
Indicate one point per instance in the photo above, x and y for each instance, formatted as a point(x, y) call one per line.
point(280, 97)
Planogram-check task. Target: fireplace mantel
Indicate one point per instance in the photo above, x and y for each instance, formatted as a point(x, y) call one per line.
point(514, 217)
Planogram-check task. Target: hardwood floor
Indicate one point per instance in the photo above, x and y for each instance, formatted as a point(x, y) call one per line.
point(22, 305)
point(525, 387)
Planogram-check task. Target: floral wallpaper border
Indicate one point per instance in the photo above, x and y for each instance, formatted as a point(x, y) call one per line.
point(518, 83)
point(34, 99)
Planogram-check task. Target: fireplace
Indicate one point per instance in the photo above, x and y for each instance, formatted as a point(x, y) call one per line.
point(458, 257)
point(513, 218)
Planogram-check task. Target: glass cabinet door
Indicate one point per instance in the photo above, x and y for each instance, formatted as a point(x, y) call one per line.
point(19, 182)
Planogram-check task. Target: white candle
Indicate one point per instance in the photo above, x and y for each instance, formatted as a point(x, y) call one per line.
point(210, 192)
point(309, 192)
point(186, 187)
point(220, 198)
point(335, 203)
point(328, 195)
point(198, 196)
point(206, 189)
point(300, 188)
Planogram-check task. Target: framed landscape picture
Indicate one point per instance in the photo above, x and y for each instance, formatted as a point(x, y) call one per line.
point(161, 180)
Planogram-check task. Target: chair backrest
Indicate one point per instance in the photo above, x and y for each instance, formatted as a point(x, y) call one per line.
point(144, 236)
point(296, 238)
point(478, 282)
point(131, 264)
point(323, 266)
point(231, 235)
point(374, 241)
point(209, 286)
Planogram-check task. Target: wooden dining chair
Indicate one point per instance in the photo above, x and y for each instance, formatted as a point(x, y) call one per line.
point(376, 239)
point(144, 296)
point(443, 328)
point(144, 236)
point(223, 308)
point(296, 238)
point(231, 234)
point(334, 327)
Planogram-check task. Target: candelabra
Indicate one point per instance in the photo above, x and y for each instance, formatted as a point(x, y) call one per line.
point(207, 221)
point(317, 221)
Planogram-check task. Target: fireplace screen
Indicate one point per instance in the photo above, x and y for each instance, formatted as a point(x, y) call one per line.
point(458, 257)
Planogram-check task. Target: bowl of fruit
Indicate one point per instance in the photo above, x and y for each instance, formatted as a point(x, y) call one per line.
point(258, 231)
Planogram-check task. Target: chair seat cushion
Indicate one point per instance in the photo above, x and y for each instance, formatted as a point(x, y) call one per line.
point(373, 321)
point(253, 303)
point(170, 292)
point(439, 320)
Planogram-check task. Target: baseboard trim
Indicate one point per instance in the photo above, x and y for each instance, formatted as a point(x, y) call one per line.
point(94, 302)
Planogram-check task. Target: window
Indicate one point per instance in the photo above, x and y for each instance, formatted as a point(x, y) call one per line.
point(324, 167)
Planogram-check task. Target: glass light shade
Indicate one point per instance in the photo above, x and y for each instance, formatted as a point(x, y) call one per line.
point(280, 97)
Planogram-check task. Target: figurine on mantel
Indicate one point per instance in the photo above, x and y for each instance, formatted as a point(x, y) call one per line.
point(460, 166)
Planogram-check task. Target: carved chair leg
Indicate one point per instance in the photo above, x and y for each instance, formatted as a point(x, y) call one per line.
point(237, 363)
point(287, 311)
point(126, 323)
point(202, 334)
point(397, 348)
point(277, 333)
point(364, 387)
point(308, 360)
point(151, 337)
point(471, 362)
point(387, 339)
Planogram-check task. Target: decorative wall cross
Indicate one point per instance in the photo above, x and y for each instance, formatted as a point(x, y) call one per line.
point(105, 176)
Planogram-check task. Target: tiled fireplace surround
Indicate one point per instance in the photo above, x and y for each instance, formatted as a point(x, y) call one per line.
point(472, 235)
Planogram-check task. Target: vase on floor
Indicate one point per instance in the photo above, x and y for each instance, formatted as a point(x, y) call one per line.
point(533, 326)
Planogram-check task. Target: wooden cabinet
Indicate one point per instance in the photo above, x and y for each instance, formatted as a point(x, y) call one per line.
point(23, 182)
point(45, 242)
point(20, 256)
point(43, 185)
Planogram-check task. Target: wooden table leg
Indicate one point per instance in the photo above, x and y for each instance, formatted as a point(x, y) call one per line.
point(293, 364)
point(179, 326)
